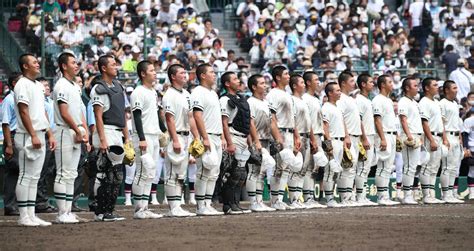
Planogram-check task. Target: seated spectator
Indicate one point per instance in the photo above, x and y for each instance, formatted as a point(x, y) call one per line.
point(130, 64)
point(100, 48)
point(128, 36)
point(71, 36)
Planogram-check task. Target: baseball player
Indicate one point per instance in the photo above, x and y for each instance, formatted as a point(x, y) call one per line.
point(266, 128)
point(180, 122)
point(108, 101)
point(303, 124)
point(312, 84)
point(237, 125)
point(70, 132)
point(352, 122)
point(435, 137)
point(469, 142)
point(9, 127)
point(412, 129)
point(145, 137)
point(207, 115)
point(449, 165)
point(334, 135)
point(385, 141)
point(30, 138)
point(284, 110)
point(366, 84)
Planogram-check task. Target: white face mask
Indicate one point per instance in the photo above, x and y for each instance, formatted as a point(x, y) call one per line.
point(397, 78)
point(205, 51)
point(199, 19)
point(165, 29)
point(385, 11)
point(271, 7)
point(352, 42)
point(158, 43)
point(388, 62)
point(471, 102)
point(127, 29)
point(358, 36)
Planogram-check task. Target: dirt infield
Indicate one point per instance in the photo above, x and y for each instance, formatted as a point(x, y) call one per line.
point(403, 227)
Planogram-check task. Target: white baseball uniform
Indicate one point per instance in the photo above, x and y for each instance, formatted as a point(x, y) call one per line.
point(350, 111)
point(207, 101)
point(383, 108)
point(335, 119)
point(411, 156)
point(450, 164)
point(67, 152)
point(30, 93)
point(146, 100)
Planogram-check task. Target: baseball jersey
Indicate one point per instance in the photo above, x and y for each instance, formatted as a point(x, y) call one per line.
point(207, 101)
point(314, 106)
point(282, 104)
point(8, 111)
point(261, 115)
point(366, 114)
point(410, 109)
point(178, 104)
point(469, 128)
point(450, 114)
point(431, 111)
point(31, 93)
point(333, 116)
point(383, 107)
point(302, 120)
point(69, 93)
point(351, 115)
point(146, 100)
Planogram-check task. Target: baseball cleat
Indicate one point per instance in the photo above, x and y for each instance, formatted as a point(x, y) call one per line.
point(333, 204)
point(369, 203)
point(278, 205)
point(232, 209)
point(213, 210)
point(408, 200)
point(154, 201)
point(41, 222)
point(150, 215)
point(66, 218)
point(266, 208)
point(140, 214)
point(257, 207)
point(429, 200)
point(204, 211)
point(27, 222)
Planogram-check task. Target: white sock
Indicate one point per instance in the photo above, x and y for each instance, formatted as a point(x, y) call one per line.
point(308, 187)
point(425, 181)
point(360, 185)
point(200, 188)
point(60, 195)
point(210, 186)
point(69, 196)
point(21, 192)
point(137, 191)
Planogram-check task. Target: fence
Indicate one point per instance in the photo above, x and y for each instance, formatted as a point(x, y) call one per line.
point(9, 47)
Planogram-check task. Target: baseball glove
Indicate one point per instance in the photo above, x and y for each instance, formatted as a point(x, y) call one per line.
point(164, 139)
point(414, 143)
point(327, 146)
point(255, 157)
point(362, 152)
point(196, 148)
point(275, 148)
point(129, 157)
point(347, 158)
point(399, 145)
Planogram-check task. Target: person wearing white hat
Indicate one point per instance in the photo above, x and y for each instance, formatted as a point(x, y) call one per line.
point(207, 115)
point(237, 125)
point(334, 131)
point(452, 126)
point(266, 129)
point(145, 137)
point(353, 131)
point(311, 81)
point(284, 110)
point(385, 141)
point(410, 121)
point(70, 132)
point(108, 101)
point(366, 84)
point(30, 138)
point(303, 124)
point(180, 122)
point(432, 122)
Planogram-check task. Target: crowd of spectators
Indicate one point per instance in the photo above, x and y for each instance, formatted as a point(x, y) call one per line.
point(303, 34)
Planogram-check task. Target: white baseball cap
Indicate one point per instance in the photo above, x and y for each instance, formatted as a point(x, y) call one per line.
point(335, 166)
point(210, 159)
point(267, 161)
point(175, 158)
point(444, 151)
point(297, 164)
point(384, 155)
point(147, 161)
point(320, 159)
point(32, 153)
point(286, 156)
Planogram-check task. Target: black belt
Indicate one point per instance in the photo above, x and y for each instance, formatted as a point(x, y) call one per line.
point(44, 130)
point(214, 134)
point(183, 133)
point(238, 135)
point(340, 138)
point(290, 130)
point(392, 133)
point(304, 134)
point(318, 134)
point(119, 130)
point(453, 133)
point(437, 134)
point(354, 135)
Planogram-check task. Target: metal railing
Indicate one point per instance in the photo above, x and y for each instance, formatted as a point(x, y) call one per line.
point(10, 50)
